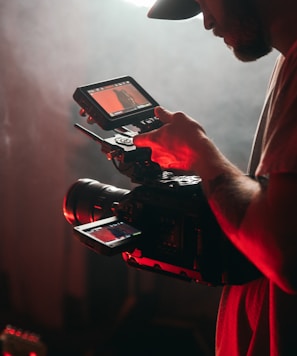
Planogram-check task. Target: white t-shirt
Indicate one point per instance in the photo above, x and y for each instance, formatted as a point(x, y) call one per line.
point(258, 318)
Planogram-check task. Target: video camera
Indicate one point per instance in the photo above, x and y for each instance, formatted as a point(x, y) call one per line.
point(165, 224)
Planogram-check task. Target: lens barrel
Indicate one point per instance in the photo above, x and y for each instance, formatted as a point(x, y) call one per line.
point(88, 200)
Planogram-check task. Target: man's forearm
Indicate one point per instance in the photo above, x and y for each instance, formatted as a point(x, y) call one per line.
point(230, 194)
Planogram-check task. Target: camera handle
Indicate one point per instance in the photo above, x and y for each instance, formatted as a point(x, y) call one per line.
point(119, 147)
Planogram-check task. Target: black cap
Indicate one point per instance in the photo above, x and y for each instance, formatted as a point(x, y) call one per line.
point(174, 9)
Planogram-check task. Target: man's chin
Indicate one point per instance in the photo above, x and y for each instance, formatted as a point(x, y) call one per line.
point(249, 55)
point(240, 54)
point(243, 57)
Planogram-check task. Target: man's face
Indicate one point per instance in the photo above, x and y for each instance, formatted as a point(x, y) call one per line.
point(237, 22)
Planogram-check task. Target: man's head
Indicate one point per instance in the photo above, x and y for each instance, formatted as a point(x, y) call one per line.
point(237, 21)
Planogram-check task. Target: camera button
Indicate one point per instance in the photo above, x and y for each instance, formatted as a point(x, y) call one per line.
point(122, 140)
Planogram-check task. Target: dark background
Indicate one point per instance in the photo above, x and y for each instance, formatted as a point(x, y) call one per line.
point(79, 302)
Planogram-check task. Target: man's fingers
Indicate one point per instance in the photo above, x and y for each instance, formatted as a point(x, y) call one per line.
point(164, 115)
point(142, 141)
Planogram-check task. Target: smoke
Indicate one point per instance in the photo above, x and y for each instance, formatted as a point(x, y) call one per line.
point(47, 49)
point(43, 39)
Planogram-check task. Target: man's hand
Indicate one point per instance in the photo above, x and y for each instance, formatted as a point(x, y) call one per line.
point(176, 144)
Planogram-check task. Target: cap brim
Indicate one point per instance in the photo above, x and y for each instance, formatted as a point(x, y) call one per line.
point(174, 9)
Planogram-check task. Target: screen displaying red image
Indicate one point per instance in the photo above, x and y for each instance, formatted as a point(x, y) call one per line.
point(119, 98)
point(112, 232)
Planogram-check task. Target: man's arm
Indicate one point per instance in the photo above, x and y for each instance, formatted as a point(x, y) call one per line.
point(260, 218)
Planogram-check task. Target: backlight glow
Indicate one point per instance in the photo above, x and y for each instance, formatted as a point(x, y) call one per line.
point(144, 3)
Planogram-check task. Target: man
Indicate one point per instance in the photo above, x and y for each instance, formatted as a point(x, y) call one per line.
point(259, 214)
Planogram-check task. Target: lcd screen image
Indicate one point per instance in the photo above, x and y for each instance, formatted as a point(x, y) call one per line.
point(118, 231)
point(120, 98)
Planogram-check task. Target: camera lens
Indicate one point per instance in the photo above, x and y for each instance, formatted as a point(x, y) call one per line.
point(88, 200)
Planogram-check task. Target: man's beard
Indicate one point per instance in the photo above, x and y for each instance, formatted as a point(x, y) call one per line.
point(253, 48)
point(248, 39)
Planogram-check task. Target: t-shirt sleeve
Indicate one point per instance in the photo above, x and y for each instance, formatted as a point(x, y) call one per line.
point(279, 150)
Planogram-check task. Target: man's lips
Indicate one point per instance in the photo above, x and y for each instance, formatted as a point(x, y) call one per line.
point(217, 33)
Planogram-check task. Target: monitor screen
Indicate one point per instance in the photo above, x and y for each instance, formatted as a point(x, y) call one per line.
point(119, 98)
point(113, 232)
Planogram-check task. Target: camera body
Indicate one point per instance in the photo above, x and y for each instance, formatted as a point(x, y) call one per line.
point(165, 224)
